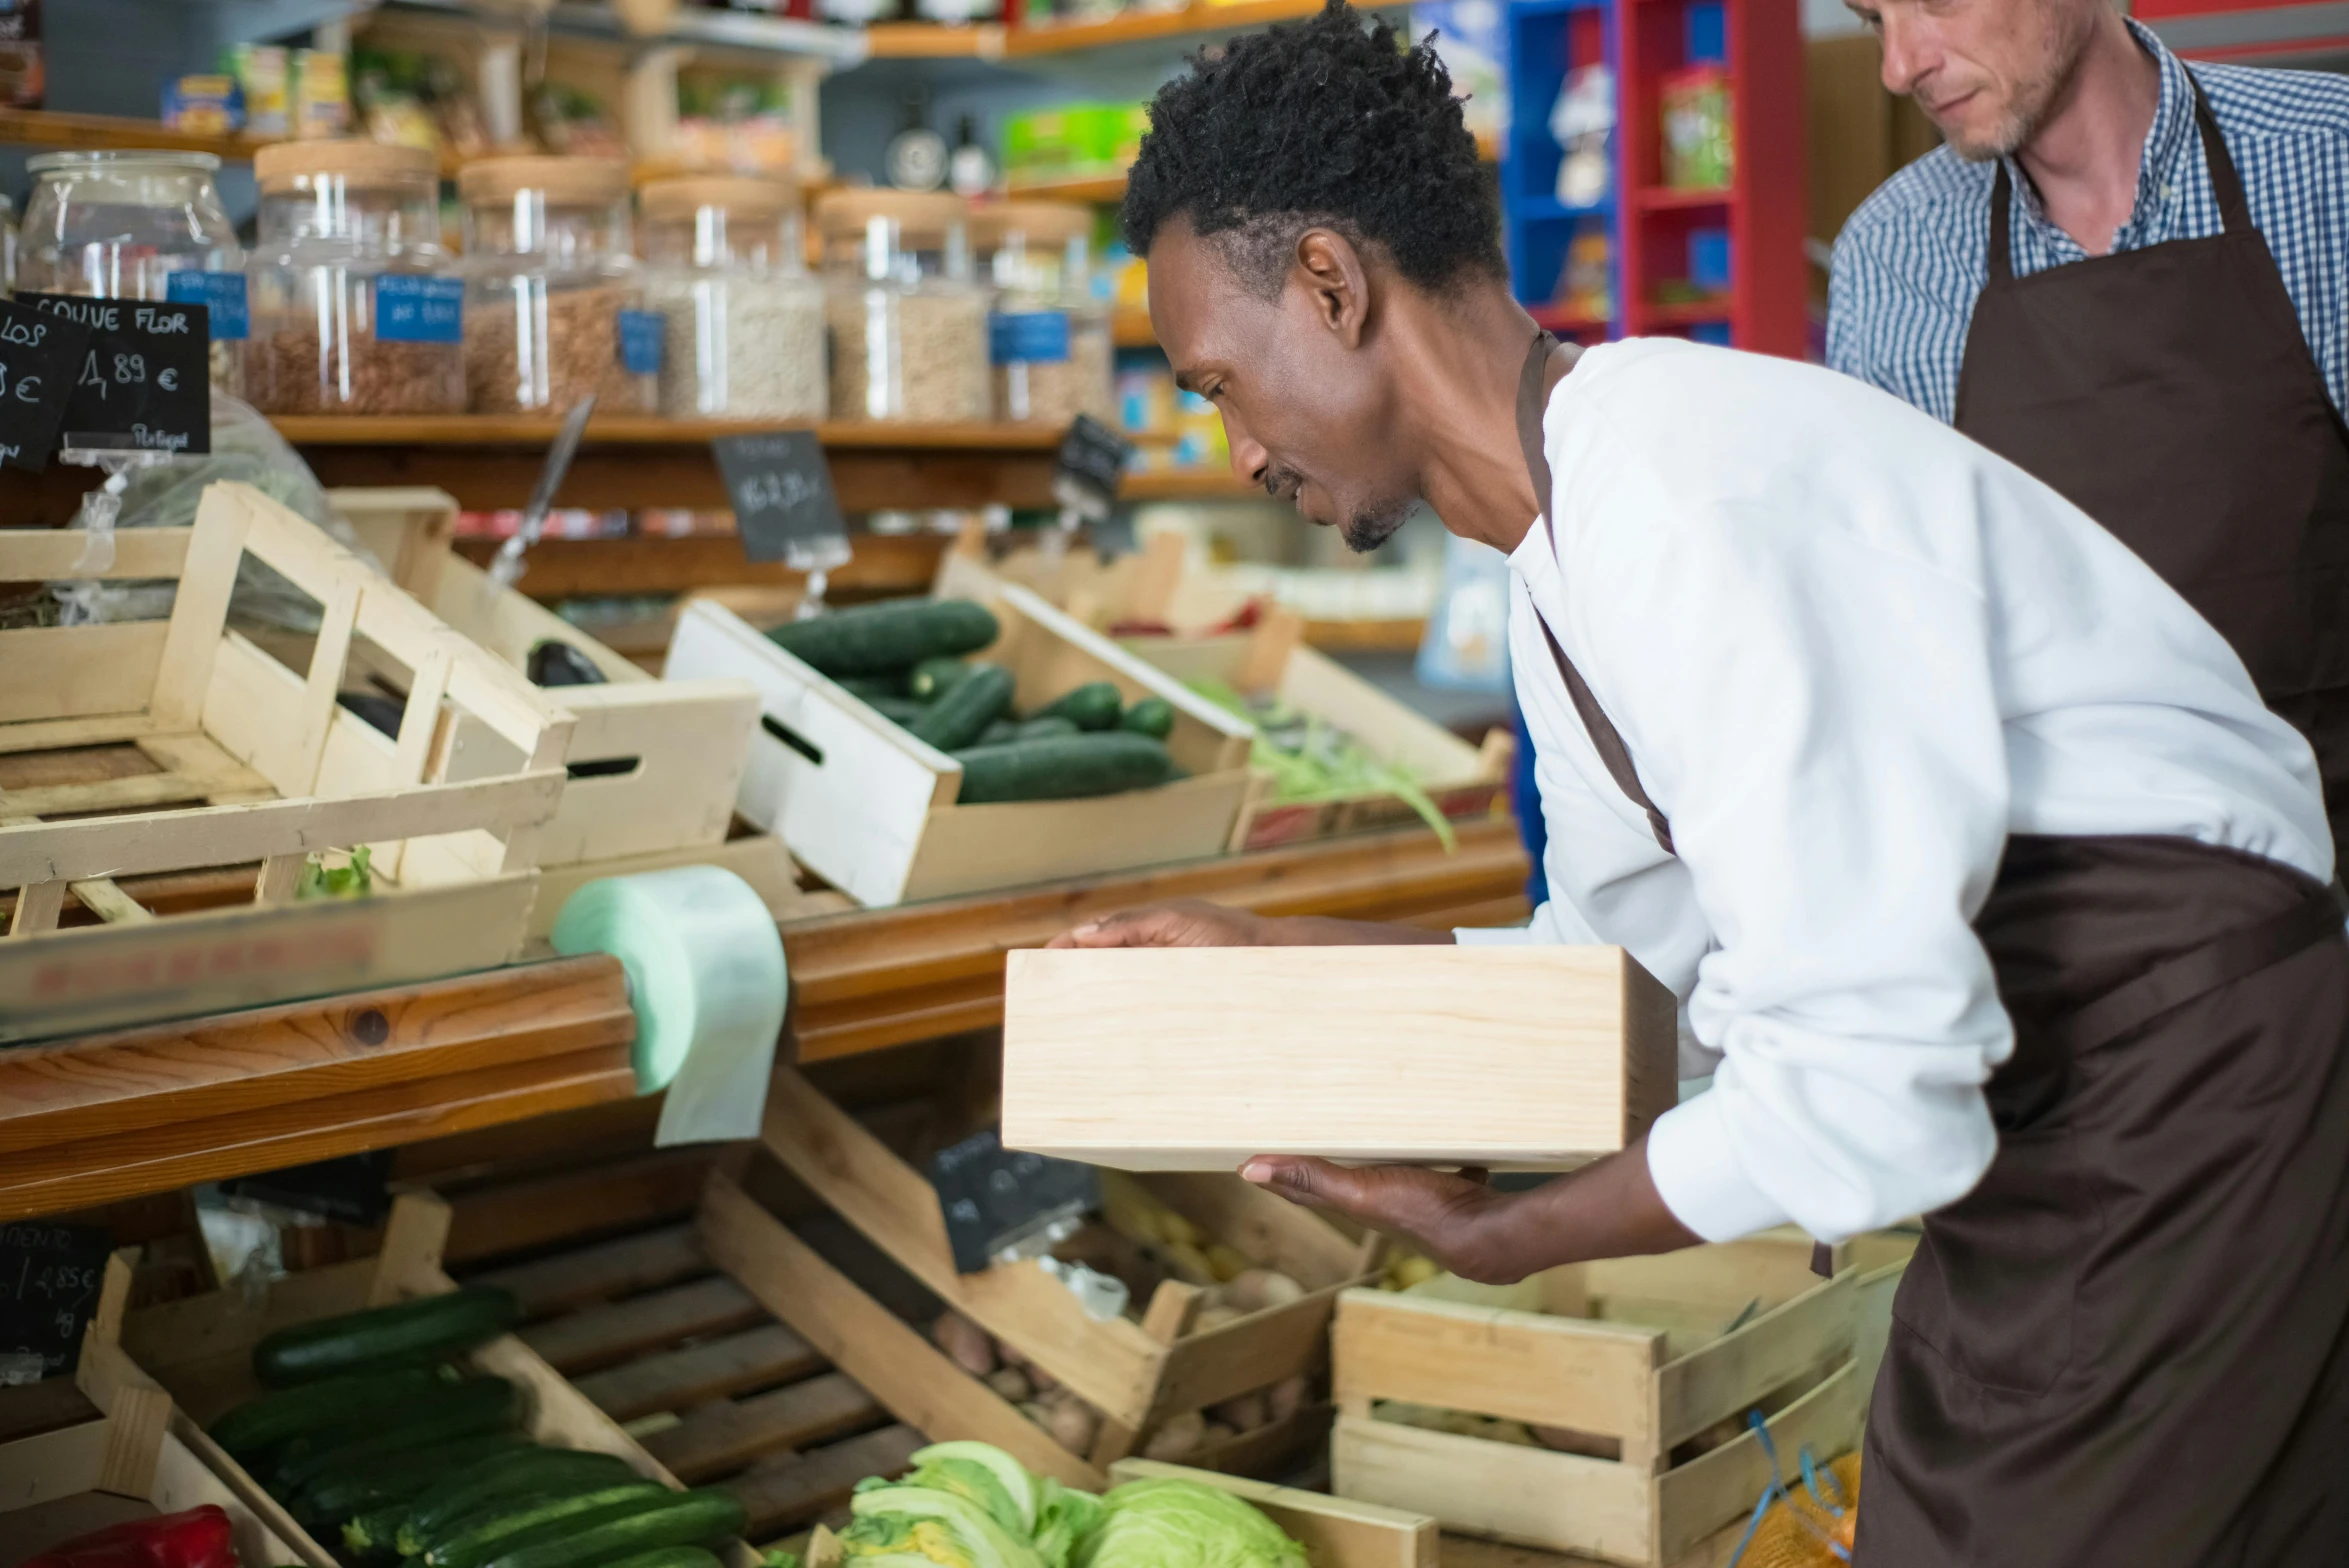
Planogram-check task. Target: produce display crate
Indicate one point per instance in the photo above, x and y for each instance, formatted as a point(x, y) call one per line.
point(1145, 587)
point(872, 810)
point(1641, 1372)
point(653, 766)
point(199, 1349)
point(142, 763)
point(1462, 781)
point(1138, 1375)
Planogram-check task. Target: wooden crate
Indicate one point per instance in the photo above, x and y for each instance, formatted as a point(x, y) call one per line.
point(200, 1349)
point(182, 746)
point(1463, 781)
point(1196, 1058)
point(873, 811)
point(1137, 1374)
point(1651, 1363)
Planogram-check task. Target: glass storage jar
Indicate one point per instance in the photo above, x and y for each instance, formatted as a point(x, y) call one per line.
point(1047, 336)
point(745, 322)
point(908, 319)
point(552, 295)
point(354, 308)
point(137, 225)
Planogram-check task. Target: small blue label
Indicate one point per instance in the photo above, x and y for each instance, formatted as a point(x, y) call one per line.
point(640, 342)
point(414, 309)
point(222, 294)
point(1028, 337)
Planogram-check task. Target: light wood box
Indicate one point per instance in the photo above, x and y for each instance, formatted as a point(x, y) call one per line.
point(1532, 1057)
point(200, 1350)
point(216, 754)
point(1136, 1374)
point(872, 810)
point(1640, 1356)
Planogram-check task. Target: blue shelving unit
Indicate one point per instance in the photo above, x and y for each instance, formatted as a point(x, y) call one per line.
point(1547, 41)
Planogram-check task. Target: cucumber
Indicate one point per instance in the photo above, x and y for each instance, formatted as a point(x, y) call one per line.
point(354, 1486)
point(1044, 728)
point(407, 1333)
point(669, 1557)
point(686, 1519)
point(255, 1427)
point(877, 639)
point(1062, 767)
point(871, 686)
point(934, 678)
point(1000, 733)
point(445, 1506)
point(1092, 706)
point(1152, 716)
point(374, 1533)
point(898, 710)
point(958, 718)
point(555, 1517)
point(471, 1409)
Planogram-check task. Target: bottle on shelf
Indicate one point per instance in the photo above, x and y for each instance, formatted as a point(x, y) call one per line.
point(969, 170)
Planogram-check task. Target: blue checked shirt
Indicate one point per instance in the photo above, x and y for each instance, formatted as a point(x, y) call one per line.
point(1911, 261)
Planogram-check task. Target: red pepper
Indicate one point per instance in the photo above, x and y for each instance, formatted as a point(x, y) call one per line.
point(199, 1538)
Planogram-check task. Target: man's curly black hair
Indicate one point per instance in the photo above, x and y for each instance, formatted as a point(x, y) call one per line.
point(1322, 122)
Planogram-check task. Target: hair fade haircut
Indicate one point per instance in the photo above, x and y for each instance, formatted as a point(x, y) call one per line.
point(1321, 123)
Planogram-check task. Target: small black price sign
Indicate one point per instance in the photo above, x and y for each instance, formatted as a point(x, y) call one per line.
point(39, 357)
point(144, 382)
point(49, 1279)
point(782, 493)
point(1091, 466)
point(993, 1198)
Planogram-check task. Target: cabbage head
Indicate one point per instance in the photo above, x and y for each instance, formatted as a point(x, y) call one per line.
point(1181, 1524)
point(918, 1527)
point(1064, 1516)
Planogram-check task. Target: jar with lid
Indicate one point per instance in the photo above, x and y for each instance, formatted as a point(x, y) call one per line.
point(1047, 336)
point(552, 295)
point(137, 225)
point(745, 322)
point(908, 319)
point(355, 309)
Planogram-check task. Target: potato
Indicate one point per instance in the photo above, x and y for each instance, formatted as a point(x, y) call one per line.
point(1215, 1432)
point(966, 1342)
point(1040, 1380)
point(1213, 1318)
point(1011, 1383)
point(1178, 1439)
point(1258, 1289)
point(1288, 1396)
point(1244, 1412)
point(1072, 1423)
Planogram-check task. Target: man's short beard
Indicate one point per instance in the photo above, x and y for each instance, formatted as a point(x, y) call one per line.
point(2035, 100)
point(1366, 530)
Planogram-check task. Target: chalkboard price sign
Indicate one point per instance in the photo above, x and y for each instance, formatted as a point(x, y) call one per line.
point(49, 1279)
point(145, 378)
point(1091, 466)
point(39, 356)
point(781, 488)
point(994, 1200)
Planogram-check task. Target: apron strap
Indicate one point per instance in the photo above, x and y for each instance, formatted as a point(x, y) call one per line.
point(1602, 732)
point(2000, 256)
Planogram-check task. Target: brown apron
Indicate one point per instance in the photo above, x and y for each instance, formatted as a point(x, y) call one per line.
point(2169, 393)
point(2129, 1344)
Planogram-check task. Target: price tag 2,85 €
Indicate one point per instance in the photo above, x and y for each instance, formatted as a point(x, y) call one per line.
point(39, 357)
point(781, 488)
point(50, 1274)
point(145, 379)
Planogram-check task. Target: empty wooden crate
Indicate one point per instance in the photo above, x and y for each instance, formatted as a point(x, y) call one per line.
point(1196, 1058)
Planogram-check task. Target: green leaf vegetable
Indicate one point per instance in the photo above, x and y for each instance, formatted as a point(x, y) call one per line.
point(1182, 1524)
point(906, 1526)
point(354, 880)
point(1311, 760)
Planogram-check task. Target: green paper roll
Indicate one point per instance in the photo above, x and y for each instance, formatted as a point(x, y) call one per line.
point(707, 982)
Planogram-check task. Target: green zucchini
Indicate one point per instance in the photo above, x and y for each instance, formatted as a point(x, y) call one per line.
point(1092, 706)
point(352, 1486)
point(958, 718)
point(552, 1518)
point(1000, 733)
point(471, 1409)
point(871, 686)
point(934, 678)
point(877, 639)
point(407, 1333)
point(669, 1557)
point(374, 1533)
point(686, 1519)
point(443, 1507)
point(255, 1427)
point(1152, 716)
point(1045, 728)
point(898, 710)
point(1061, 768)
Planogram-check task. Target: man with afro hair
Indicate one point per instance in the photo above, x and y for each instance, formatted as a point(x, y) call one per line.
point(1990, 891)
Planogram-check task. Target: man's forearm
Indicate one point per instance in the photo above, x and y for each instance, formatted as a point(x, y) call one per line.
point(1609, 1209)
point(1323, 931)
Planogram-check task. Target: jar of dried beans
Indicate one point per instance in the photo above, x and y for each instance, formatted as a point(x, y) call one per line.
point(355, 306)
point(723, 266)
point(553, 302)
point(1047, 336)
point(908, 317)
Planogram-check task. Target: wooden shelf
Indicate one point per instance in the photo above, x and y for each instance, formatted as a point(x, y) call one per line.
point(882, 565)
point(639, 430)
point(929, 41)
point(1107, 188)
point(106, 132)
point(1205, 484)
point(1145, 26)
point(1132, 329)
point(699, 26)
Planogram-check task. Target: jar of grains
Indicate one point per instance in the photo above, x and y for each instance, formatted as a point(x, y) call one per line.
point(1047, 336)
point(553, 308)
point(354, 308)
point(908, 320)
point(137, 225)
point(723, 266)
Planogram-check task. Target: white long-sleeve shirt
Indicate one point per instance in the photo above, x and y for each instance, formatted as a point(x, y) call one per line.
point(1850, 652)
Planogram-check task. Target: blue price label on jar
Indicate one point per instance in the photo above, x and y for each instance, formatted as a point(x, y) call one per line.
point(640, 342)
point(1028, 337)
point(411, 309)
point(222, 294)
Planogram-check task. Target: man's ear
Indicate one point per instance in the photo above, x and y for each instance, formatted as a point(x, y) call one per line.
point(1329, 269)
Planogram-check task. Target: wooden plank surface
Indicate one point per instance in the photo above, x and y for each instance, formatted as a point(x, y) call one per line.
point(569, 568)
point(791, 1490)
point(604, 1335)
point(615, 1268)
point(712, 1369)
point(729, 1434)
